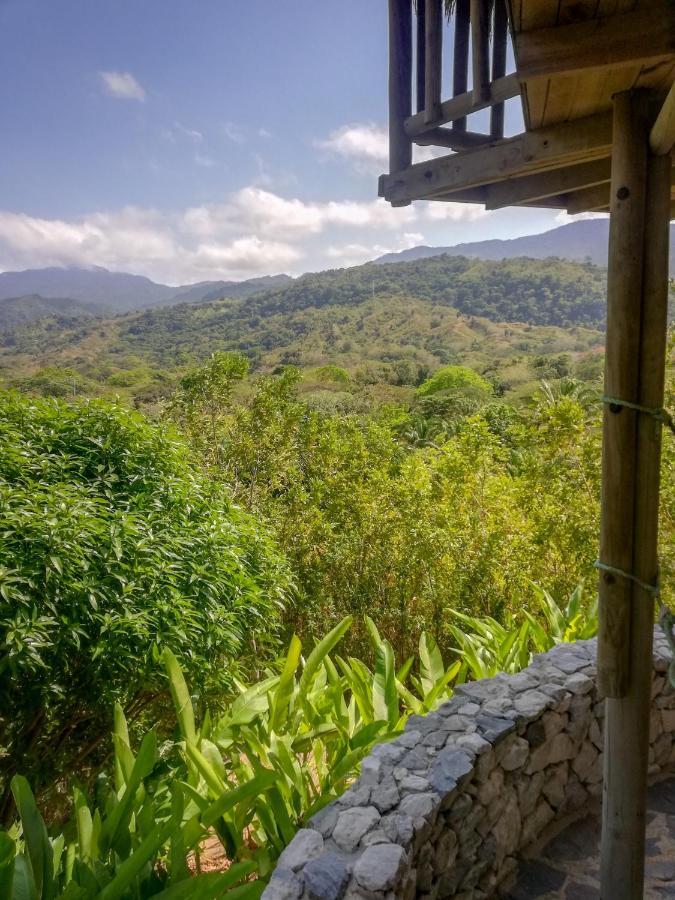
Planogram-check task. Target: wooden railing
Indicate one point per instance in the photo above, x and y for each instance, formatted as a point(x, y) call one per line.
point(480, 34)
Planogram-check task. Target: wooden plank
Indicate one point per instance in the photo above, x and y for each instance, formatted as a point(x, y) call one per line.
point(529, 188)
point(546, 148)
point(499, 35)
point(460, 58)
point(624, 291)
point(452, 138)
point(662, 135)
point(420, 57)
point(646, 33)
point(400, 82)
point(480, 49)
point(627, 720)
point(464, 104)
point(592, 199)
point(433, 31)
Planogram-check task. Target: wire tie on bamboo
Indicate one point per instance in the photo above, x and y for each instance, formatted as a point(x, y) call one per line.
point(666, 621)
point(653, 589)
point(660, 413)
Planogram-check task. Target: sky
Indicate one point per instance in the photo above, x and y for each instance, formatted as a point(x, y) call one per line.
point(191, 140)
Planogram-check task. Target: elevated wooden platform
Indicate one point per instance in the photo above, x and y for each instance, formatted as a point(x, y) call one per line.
point(571, 58)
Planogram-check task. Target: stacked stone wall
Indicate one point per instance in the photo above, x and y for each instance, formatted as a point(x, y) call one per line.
point(446, 809)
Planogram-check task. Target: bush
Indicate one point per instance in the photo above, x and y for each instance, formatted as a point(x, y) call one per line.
point(112, 546)
point(457, 379)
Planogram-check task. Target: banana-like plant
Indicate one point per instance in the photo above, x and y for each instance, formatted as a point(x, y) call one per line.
point(133, 845)
point(575, 621)
point(487, 647)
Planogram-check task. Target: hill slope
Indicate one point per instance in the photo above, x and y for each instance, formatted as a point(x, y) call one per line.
point(578, 241)
point(63, 311)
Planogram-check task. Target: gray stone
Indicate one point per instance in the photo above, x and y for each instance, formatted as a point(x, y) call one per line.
point(419, 806)
point(307, 844)
point(513, 753)
point(353, 824)
point(326, 877)
point(473, 743)
point(450, 768)
point(410, 739)
point(531, 704)
point(380, 866)
point(283, 885)
point(583, 762)
point(389, 753)
point(416, 760)
point(385, 796)
point(398, 828)
point(357, 795)
point(446, 851)
point(325, 820)
point(555, 751)
point(371, 770)
point(414, 784)
point(492, 788)
point(579, 683)
point(554, 786)
point(493, 728)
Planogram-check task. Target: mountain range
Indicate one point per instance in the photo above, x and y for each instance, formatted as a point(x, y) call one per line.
point(581, 241)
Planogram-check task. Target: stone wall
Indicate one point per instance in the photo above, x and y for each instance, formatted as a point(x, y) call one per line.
point(445, 809)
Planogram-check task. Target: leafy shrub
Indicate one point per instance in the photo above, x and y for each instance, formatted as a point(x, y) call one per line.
point(112, 546)
point(458, 379)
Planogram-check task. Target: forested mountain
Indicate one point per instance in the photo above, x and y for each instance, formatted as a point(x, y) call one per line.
point(579, 241)
point(117, 292)
point(17, 311)
point(384, 324)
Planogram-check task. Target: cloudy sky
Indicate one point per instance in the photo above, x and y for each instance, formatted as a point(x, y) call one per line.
point(202, 139)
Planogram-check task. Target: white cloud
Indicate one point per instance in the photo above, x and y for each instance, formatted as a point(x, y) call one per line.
point(365, 146)
point(564, 218)
point(205, 161)
point(234, 132)
point(446, 211)
point(122, 85)
point(252, 232)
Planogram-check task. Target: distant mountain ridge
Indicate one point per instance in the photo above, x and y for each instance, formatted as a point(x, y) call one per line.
point(577, 241)
point(108, 292)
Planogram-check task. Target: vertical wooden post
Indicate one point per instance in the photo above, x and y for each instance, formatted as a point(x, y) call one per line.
point(460, 58)
point(400, 85)
point(420, 61)
point(624, 295)
point(499, 35)
point(627, 718)
point(480, 49)
point(433, 23)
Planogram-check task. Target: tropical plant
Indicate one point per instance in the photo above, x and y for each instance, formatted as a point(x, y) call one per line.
point(113, 546)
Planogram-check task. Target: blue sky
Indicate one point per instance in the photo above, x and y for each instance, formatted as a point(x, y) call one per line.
point(200, 139)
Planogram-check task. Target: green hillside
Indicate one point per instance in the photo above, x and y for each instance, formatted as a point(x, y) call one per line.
point(385, 324)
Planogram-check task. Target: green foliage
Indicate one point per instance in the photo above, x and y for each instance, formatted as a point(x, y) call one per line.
point(113, 545)
point(130, 840)
point(455, 379)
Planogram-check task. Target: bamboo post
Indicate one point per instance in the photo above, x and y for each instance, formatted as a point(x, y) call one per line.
point(624, 292)
point(627, 717)
point(460, 58)
point(400, 85)
point(480, 49)
point(499, 34)
point(420, 61)
point(433, 25)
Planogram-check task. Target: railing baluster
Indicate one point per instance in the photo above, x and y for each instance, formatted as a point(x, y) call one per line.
point(433, 27)
point(400, 83)
point(480, 47)
point(460, 62)
point(421, 37)
point(499, 34)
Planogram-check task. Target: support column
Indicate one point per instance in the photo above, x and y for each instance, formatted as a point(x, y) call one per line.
point(635, 368)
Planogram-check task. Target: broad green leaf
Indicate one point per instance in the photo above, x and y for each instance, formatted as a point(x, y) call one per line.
point(181, 697)
point(283, 692)
point(7, 855)
point(38, 848)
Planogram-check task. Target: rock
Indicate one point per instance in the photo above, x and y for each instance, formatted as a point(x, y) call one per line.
point(371, 770)
point(414, 784)
point(410, 739)
point(326, 877)
point(353, 824)
point(380, 866)
point(357, 795)
point(513, 753)
point(531, 704)
point(398, 828)
point(508, 825)
point(554, 786)
point(416, 760)
point(583, 761)
point(473, 743)
point(494, 728)
point(385, 796)
point(325, 820)
point(535, 823)
point(579, 683)
point(307, 844)
point(450, 767)
point(492, 788)
point(283, 885)
point(446, 851)
point(419, 806)
point(529, 792)
point(550, 753)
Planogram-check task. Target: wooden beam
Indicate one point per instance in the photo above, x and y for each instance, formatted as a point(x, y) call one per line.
point(626, 756)
point(480, 49)
point(644, 35)
point(460, 58)
point(591, 199)
point(464, 104)
point(452, 138)
point(400, 83)
point(662, 135)
point(546, 148)
point(433, 39)
point(529, 188)
point(499, 34)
